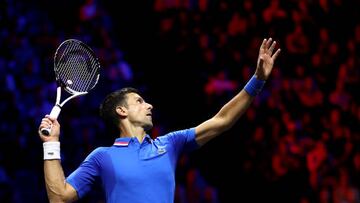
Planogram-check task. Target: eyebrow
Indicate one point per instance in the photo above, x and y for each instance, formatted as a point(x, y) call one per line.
point(139, 97)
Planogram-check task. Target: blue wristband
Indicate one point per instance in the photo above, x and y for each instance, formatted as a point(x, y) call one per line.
point(254, 86)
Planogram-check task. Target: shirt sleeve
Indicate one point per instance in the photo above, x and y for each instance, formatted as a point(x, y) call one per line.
point(83, 178)
point(183, 140)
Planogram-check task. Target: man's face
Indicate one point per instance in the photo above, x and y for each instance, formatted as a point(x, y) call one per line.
point(139, 112)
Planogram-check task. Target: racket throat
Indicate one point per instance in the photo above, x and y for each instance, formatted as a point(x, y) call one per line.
point(55, 111)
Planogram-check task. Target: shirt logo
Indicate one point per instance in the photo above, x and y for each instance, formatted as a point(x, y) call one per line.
point(161, 150)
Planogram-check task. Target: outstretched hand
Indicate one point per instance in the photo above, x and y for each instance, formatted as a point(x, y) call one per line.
point(266, 59)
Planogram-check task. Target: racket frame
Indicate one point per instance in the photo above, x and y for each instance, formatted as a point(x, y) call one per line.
point(57, 107)
point(55, 111)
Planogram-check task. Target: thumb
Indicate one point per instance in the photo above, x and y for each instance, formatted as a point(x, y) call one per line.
point(261, 62)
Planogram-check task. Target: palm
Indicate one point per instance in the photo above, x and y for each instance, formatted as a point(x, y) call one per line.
point(266, 59)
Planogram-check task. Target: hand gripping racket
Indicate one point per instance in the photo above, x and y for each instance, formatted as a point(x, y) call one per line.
point(76, 70)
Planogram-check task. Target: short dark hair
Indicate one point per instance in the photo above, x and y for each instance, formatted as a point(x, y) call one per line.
point(111, 101)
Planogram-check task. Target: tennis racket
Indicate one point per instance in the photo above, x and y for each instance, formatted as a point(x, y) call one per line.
point(77, 72)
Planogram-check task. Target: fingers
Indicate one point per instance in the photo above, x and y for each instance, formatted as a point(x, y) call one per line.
point(48, 122)
point(276, 54)
point(263, 44)
point(271, 49)
point(45, 123)
point(268, 43)
point(268, 47)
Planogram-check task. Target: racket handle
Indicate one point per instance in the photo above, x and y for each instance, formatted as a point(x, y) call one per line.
point(46, 131)
point(55, 111)
point(54, 115)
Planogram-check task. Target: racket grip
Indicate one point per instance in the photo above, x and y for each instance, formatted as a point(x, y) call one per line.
point(55, 111)
point(54, 115)
point(46, 131)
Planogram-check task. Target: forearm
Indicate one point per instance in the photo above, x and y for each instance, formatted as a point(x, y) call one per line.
point(54, 180)
point(224, 119)
point(57, 188)
point(234, 109)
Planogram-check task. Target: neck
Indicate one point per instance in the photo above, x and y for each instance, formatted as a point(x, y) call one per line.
point(132, 131)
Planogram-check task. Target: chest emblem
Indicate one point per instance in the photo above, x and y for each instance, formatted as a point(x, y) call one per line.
point(161, 150)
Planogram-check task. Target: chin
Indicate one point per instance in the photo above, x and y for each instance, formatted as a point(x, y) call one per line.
point(148, 126)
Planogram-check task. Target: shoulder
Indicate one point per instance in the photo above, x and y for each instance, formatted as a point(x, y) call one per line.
point(176, 134)
point(179, 139)
point(98, 152)
point(187, 131)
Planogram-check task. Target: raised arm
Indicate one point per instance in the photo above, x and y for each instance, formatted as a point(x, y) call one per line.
point(234, 109)
point(57, 188)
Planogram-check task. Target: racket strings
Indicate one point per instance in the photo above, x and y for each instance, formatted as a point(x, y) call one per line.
point(83, 65)
point(80, 65)
point(77, 68)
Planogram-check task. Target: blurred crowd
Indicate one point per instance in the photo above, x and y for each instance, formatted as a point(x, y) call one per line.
point(298, 142)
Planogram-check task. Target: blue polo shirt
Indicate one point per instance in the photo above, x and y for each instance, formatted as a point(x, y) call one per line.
point(131, 172)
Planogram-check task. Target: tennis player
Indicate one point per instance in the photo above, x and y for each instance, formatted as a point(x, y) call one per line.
point(137, 168)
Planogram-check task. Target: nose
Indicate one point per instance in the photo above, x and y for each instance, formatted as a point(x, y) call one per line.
point(150, 106)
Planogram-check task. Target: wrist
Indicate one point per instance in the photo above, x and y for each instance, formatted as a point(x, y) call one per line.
point(254, 86)
point(51, 150)
point(259, 75)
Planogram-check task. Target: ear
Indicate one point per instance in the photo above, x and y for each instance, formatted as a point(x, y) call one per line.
point(121, 111)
